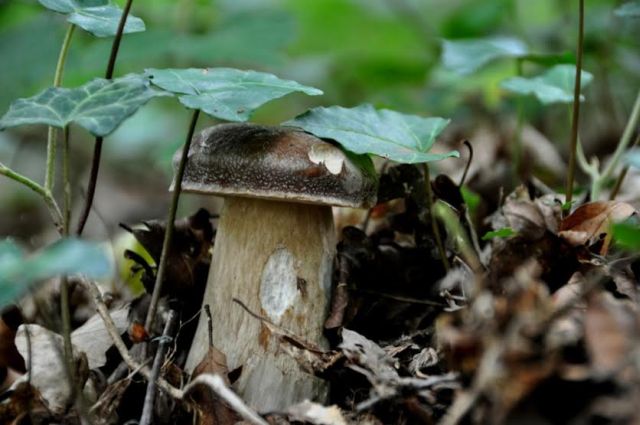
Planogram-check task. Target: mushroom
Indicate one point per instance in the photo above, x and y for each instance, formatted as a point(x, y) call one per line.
point(274, 248)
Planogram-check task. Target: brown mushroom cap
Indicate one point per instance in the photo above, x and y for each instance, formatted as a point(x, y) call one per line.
point(278, 163)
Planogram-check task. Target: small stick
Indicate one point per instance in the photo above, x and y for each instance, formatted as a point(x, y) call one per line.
point(168, 232)
point(214, 382)
point(147, 410)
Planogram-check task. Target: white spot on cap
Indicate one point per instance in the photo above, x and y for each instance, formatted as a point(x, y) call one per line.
point(332, 157)
point(278, 285)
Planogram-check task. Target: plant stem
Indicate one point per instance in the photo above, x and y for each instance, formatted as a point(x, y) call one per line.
point(576, 106)
point(64, 284)
point(517, 146)
point(66, 184)
point(434, 224)
point(54, 210)
point(168, 234)
point(627, 134)
point(97, 150)
point(51, 131)
point(623, 174)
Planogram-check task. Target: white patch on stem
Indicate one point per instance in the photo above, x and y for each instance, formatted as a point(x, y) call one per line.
point(278, 284)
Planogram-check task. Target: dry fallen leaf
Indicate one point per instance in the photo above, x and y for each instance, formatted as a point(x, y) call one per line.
point(212, 410)
point(316, 414)
point(589, 222)
point(48, 371)
point(612, 332)
point(93, 339)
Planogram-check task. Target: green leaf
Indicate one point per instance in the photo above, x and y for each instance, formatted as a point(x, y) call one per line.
point(471, 199)
point(67, 256)
point(468, 55)
point(627, 235)
point(99, 106)
point(365, 130)
point(554, 86)
point(225, 93)
point(99, 17)
point(628, 10)
point(505, 232)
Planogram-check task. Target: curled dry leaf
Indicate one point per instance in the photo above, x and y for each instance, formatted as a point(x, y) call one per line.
point(589, 222)
point(211, 409)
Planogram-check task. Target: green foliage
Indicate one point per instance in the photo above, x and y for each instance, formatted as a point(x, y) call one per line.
point(467, 56)
point(627, 235)
point(629, 10)
point(365, 130)
point(505, 232)
point(553, 86)
point(99, 17)
point(64, 257)
point(225, 93)
point(99, 106)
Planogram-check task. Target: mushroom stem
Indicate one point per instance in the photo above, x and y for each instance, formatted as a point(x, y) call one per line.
point(276, 257)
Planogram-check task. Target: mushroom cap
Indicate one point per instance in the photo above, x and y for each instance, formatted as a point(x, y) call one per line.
point(278, 163)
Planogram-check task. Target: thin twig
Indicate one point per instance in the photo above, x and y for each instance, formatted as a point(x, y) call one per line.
point(207, 311)
point(168, 233)
point(147, 410)
point(576, 106)
point(217, 384)
point(214, 382)
point(97, 150)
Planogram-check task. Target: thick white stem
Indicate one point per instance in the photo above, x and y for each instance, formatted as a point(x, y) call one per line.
point(276, 258)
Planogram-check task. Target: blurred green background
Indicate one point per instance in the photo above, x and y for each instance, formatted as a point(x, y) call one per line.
point(386, 52)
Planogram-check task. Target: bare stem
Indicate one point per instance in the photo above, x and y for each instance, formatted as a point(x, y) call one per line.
point(46, 196)
point(66, 184)
point(97, 150)
point(168, 234)
point(51, 132)
point(517, 145)
point(623, 174)
point(576, 106)
point(434, 223)
point(64, 283)
point(150, 396)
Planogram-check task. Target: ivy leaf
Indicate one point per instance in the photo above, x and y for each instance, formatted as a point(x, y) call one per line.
point(553, 86)
point(365, 130)
point(99, 17)
point(468, 55)
point(225, 93)
point(99, 106)
point(628, 10)
point(67, 256)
